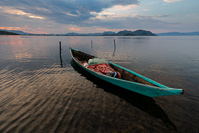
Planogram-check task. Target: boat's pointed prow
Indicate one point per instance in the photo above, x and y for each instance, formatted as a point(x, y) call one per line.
point(182, 92)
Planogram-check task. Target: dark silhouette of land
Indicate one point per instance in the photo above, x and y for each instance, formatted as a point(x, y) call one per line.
point(139, 32)
point(7, 33)
point(106, 33)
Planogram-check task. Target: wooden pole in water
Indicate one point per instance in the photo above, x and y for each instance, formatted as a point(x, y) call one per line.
point(91, 44)
point(114, 47)
point(60, 48)
point(60, 54)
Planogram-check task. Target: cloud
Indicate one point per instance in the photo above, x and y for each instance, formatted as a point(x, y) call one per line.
point(9, 10)
point(62, 16)
point(60, 11)
point(74, 29)
point(129, 21)
point(76, 15)
point(118, 17)
point(171, 1)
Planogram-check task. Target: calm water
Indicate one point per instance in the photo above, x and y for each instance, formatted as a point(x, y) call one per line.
point(37, 95)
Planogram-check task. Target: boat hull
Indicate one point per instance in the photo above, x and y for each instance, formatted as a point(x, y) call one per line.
point(147, 90)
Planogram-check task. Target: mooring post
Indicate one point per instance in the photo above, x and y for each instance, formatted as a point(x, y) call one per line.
point(60, 54)
point(114, 47)
point(60, 47)
point(91, 44)
point(92, 47)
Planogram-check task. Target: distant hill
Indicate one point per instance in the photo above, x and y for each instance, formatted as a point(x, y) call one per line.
point(18, 32)
point(72, 34)
point(106, 33)
point(80, 34)
point(110, 33)
point(135, 33)
point(125, 33)
point(7, 33)
point(179, 34)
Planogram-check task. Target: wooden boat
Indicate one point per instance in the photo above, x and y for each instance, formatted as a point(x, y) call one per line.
point(129, 79)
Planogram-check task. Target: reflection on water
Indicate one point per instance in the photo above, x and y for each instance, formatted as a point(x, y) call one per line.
point(143, 103)
point(31, 98)
point(41, 90)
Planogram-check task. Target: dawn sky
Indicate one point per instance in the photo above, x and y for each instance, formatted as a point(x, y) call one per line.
point(92, 16)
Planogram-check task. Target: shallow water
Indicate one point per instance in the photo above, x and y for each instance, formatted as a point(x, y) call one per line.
point(37, 94)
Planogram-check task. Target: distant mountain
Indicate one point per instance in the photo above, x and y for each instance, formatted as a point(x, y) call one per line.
point(93, 34)
point(125, 33)
point(110, 33)
point(179, 34)
point(135, 33)
point(16, 31)
point(80, 34)
point(7, 33)
point(72, 34)
point(143, 33)
point(106, 33)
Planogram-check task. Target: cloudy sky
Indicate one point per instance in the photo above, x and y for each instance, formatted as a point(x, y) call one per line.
point(92, 16)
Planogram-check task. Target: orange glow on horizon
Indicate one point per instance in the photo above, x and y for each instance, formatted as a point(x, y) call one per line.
point(74, 29)
point(10, 28)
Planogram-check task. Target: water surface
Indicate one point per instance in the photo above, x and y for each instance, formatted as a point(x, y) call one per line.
point(37, 94)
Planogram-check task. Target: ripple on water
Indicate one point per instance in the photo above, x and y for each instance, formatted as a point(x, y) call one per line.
point(28, 95)
point(63, 100)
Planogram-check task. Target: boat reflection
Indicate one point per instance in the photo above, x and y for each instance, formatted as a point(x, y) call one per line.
point(146, 104)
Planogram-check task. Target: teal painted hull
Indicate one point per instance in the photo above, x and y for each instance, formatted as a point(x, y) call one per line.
point(147, 90)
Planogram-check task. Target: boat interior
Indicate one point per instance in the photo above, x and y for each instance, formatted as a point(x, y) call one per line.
point(125, 75)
